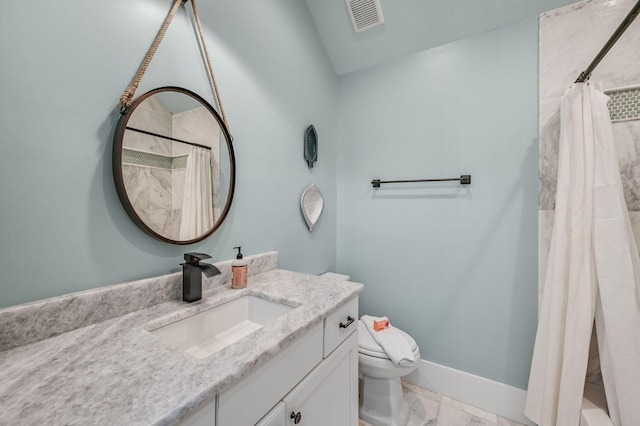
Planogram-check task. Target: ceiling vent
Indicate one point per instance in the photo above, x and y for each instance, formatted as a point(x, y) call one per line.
point(365, 14)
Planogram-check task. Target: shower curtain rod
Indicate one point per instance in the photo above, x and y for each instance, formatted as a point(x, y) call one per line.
point(633, 14)
point(167, 137)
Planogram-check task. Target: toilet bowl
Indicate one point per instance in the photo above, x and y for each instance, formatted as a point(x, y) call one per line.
point(382, 400)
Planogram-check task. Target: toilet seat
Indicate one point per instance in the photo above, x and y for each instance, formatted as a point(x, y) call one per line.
point(368, 346)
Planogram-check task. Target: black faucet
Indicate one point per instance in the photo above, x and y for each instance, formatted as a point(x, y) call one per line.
point(192, 271)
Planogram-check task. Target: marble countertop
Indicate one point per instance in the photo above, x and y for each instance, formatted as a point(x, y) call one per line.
point(117, 372)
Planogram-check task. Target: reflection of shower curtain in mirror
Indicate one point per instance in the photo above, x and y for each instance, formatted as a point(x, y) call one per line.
point(593, 272)
point(197, 203)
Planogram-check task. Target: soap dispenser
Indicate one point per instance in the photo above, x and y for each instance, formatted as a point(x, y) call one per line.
point(239, 270)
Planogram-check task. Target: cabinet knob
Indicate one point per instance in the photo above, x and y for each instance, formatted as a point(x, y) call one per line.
point(296, 417)
point(350, 320)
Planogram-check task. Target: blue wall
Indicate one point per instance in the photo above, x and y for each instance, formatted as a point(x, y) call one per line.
point(454, 266)
point(63, 67)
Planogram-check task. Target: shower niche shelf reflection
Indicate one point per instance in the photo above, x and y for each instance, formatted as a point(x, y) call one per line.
point(174, 165)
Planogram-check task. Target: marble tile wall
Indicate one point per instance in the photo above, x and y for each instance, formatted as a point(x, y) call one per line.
point(152, 206)
point(570, 37)
point(150, 189)
point(196, 125)
point(177, 194)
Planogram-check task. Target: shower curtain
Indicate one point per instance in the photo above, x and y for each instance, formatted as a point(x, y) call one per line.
point(593, 273)
point(197, 202)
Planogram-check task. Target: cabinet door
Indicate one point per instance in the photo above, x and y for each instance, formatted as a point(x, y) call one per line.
point(329, 394)
point(245, 402)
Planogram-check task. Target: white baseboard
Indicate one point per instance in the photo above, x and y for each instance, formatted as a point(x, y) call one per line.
point(504, 400)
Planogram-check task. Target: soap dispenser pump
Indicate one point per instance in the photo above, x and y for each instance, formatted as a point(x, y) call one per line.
point(239, 270)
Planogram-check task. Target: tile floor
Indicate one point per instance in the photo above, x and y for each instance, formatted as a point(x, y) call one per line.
point(431, 409)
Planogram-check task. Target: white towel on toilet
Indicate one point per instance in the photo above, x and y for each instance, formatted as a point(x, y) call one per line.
point(394, 344)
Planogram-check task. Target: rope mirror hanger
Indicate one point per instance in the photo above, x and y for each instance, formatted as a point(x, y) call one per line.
point(127, 96)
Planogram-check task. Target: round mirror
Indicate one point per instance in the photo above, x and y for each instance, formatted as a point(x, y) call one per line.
point(173, 165)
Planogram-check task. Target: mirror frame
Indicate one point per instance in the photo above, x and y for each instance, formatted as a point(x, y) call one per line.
point(117, 165)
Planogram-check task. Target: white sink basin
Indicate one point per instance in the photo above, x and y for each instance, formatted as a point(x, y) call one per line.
point(209, 331)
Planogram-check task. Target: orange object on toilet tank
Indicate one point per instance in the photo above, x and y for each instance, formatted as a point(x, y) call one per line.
point(380, 325)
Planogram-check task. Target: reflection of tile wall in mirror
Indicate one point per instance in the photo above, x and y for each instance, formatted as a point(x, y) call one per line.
point(146, 143)
point(196, 125)
point(172, 227)
point(177, 187)
point(150, 116)
point(156, 194)
point(149, 191)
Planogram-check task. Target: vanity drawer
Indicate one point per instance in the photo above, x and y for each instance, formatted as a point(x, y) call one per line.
point(339, 325)
point(247, 401)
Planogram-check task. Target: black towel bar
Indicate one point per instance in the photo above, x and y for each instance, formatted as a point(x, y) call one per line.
point(464, 180)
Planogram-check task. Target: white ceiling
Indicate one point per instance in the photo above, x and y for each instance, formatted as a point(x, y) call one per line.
point(414, 25)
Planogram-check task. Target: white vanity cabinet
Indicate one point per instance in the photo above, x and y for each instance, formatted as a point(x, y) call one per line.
point(329, 394)
point(247, 401)
point(316, 377)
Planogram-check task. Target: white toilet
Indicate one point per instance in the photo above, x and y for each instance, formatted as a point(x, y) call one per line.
point(382, 400)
